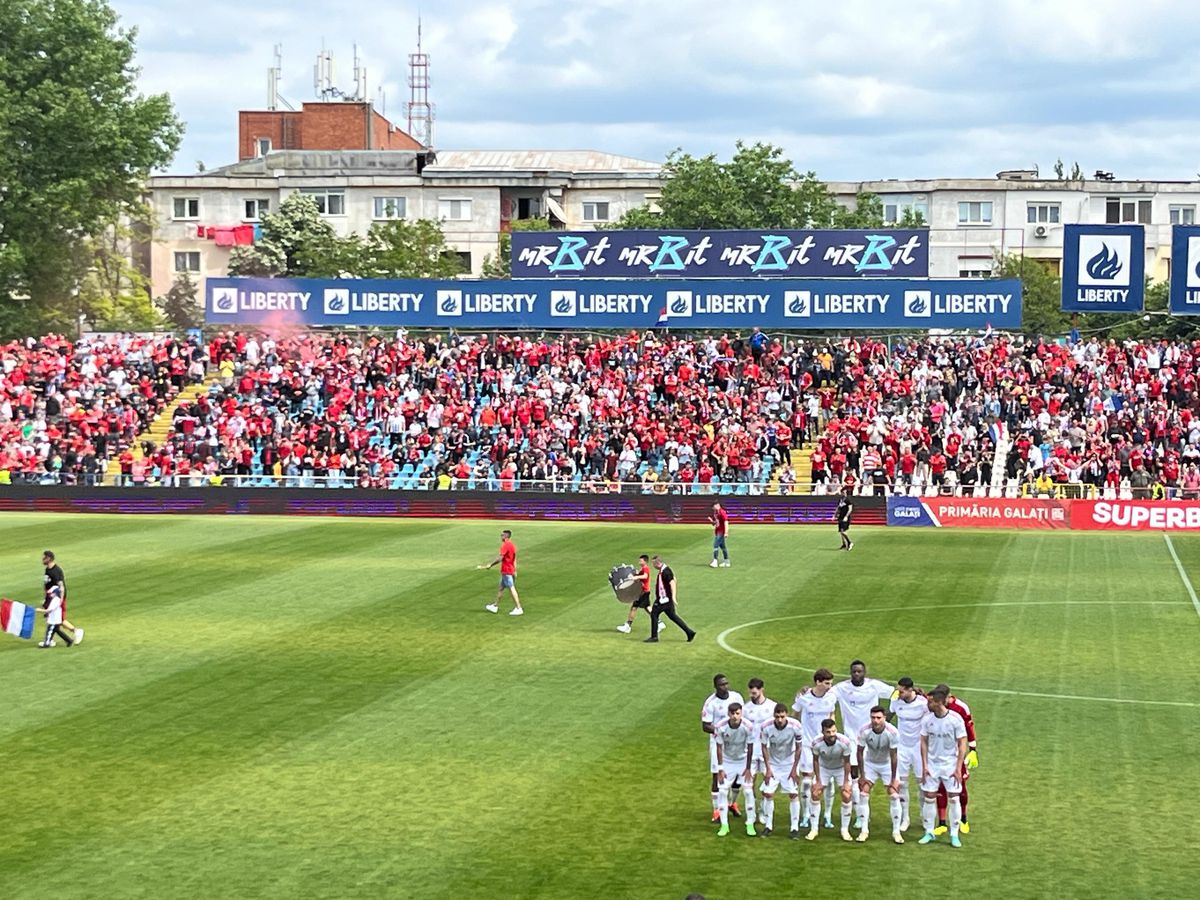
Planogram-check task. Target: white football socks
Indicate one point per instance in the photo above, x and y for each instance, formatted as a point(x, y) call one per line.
point(954, 808)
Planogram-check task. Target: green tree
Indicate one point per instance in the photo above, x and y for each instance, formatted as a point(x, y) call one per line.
point(867, 213)
point(758, 188)
point(114, 295)
point(296, 243)
point(500, 265)
point(912, 218)
point(1041, 294)
point(77, 142)
point(179, 305)
point(401, 249)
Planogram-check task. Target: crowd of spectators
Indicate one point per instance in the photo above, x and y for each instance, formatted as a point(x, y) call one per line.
point(652, 412)
point(69, 407)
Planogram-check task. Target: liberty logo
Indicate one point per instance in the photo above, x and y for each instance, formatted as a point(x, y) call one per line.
point(449, 303)
point(1193, 262)
point(679, 304)
point(224, 300)
point(918, 304)
point(562, 303)
point(797, 304)
point(1105, 265)
point(1104, 260)
point(337, 301)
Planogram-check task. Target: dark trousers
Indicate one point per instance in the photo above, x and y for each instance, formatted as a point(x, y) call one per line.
point(667, 609)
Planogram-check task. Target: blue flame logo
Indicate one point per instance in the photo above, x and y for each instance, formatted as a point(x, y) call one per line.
point(226, 303)
point(679, 307)
point(449, 304)
point(798, 306)
point(1105, 265)
point(916, 306)
point(563, 305)
point(1197, 269)
point(337, 303)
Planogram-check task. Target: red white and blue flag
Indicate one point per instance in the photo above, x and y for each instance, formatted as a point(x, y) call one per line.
point(16, 619)
point(663, 318)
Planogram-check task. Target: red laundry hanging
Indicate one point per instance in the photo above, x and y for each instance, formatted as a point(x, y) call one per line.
point(224, 237)
point(243, 235)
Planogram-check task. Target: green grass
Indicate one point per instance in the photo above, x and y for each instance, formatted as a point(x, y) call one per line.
point(298, 707)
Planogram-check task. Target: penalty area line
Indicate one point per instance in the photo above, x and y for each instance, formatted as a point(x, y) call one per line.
point(1187, 582)
point(723, 642)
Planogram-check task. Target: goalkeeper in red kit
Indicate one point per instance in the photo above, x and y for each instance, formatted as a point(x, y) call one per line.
point(954, 704)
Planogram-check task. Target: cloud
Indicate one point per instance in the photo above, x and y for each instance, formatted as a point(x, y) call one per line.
point(854, 90)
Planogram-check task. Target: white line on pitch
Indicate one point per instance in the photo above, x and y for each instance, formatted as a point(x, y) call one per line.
point(725, 645)
point(1187, 582)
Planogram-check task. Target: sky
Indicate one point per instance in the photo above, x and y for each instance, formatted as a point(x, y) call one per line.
point(851, 90)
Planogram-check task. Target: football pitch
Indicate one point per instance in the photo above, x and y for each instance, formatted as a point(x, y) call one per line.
point(304, 707)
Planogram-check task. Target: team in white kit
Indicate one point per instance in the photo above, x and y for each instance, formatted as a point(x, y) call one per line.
point(806, 757)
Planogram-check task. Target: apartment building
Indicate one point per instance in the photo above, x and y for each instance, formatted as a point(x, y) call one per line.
point(973, 220)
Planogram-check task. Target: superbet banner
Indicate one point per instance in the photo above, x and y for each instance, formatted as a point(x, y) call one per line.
point(1135, 515)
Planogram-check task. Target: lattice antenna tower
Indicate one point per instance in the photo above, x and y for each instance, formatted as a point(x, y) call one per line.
point(419, 110)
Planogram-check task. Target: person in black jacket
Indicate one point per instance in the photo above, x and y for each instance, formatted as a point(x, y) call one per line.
point(665, 600)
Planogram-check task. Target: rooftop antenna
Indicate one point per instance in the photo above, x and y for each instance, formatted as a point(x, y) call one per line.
point(419, 110)
point(360, 77)
point(274, 77)
point(323, 75)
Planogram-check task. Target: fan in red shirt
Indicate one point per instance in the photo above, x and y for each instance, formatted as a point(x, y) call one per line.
point(720, 523)
point(972, 760)
point(643, 600)
point(507, 558)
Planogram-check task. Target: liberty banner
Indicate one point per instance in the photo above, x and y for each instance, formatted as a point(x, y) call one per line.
point(1185, 270)
point(783, 305)
point(1104, 268)
point(721, 254)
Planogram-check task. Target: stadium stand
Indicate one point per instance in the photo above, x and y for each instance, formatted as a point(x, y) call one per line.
point(639, 412)
point(70, 408)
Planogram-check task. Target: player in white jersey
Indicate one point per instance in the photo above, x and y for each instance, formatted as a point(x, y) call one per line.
point(856, 695)
point(909, 707)
point(878, 760)
point(943, 750)
point(757, 712)
point(714, 711)
point(734, 743)
point(831, 768)
point(779, 744)
point(814, 705)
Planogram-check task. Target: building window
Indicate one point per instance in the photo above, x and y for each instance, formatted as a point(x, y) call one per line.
point(975, 213)
point(187, 261)
point(894, 212)
point(264, 146)
point(454, 209)
point(256, 209)
point(390, 207)
point(595, 211)
point(1042, 213)
point(973, 273)
point(1183, 215)
point(185, 207)
point(1119, 211)
point(329, 202)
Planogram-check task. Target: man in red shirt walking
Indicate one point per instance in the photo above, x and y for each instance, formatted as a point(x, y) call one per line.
point(507, 559)
point(643, 600)
point(720, 524)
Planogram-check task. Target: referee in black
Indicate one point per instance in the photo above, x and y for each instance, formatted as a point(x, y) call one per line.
point(845, 508)
point(664, 602)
